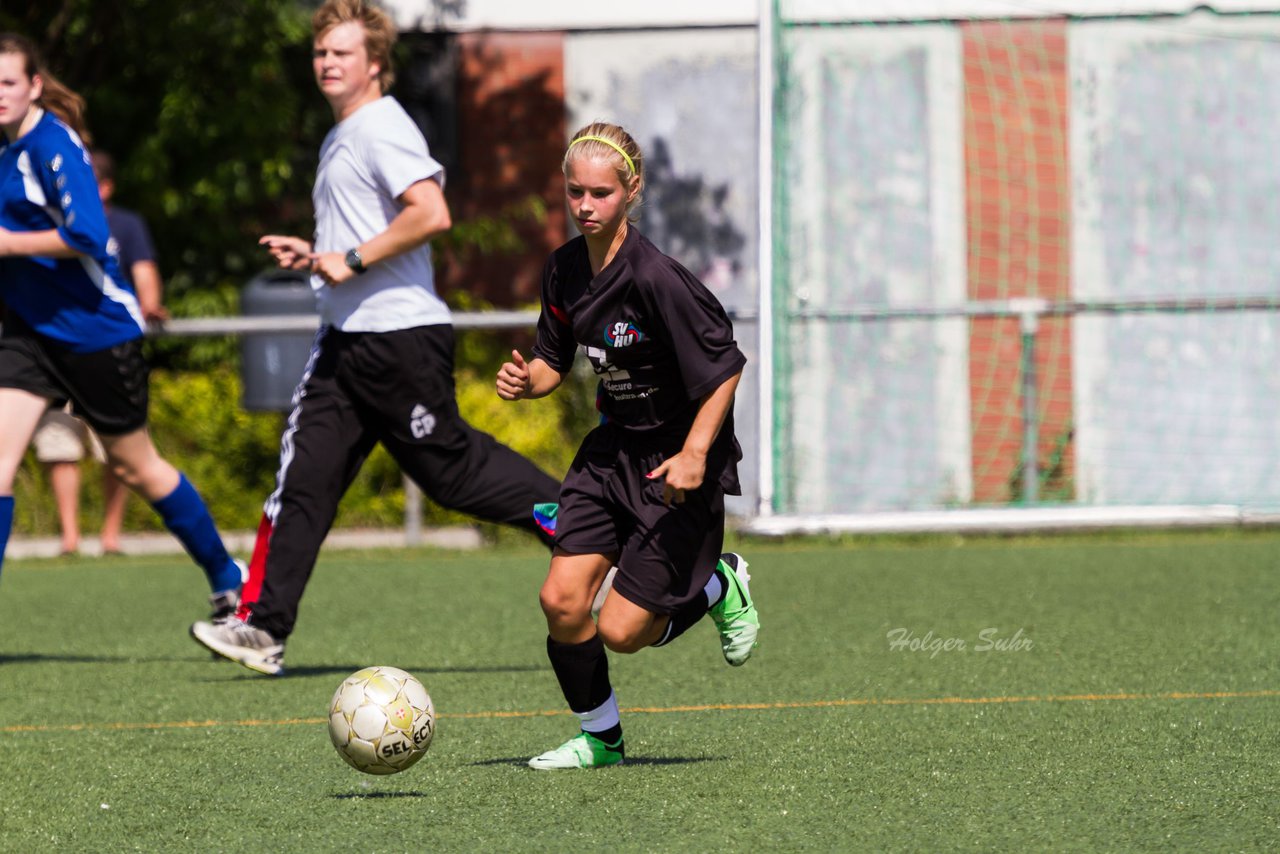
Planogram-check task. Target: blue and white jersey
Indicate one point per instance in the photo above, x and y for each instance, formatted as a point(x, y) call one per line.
point(47, 182)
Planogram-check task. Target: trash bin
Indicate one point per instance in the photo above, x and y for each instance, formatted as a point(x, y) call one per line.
point(271, 363)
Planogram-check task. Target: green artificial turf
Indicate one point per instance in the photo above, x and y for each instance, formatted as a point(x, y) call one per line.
point(1137, 707)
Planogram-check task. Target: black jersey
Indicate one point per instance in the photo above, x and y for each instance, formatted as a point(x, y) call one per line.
point(657, 338)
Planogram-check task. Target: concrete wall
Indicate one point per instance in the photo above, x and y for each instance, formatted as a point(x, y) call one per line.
point(933, 164)
point(872, 416)
point(689, 98)
point(1174, 134)
point(570, 15)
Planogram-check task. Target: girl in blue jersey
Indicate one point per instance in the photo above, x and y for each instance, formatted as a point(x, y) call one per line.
point(72, 329)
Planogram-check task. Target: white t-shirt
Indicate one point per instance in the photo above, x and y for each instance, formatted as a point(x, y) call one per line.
point(366, 161)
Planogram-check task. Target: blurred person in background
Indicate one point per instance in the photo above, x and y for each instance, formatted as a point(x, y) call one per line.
point(73, 328)
point(381, 368)
point(132, 240)
point(61, 440)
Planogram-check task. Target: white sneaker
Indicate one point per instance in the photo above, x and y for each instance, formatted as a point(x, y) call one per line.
point(235, 639)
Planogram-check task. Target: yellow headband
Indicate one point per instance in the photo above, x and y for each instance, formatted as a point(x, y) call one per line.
point(630, 163)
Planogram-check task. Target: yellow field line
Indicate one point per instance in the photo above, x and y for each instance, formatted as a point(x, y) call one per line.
point(711, 707)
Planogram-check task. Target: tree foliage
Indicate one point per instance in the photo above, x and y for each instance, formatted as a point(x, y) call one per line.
point(211, 114)
point(213, 118)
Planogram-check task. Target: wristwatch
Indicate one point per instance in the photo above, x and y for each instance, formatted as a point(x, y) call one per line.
point(355, 262)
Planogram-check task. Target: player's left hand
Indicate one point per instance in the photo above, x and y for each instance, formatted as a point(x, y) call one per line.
point(682, 472)
point(513, 378)
point(332, 267)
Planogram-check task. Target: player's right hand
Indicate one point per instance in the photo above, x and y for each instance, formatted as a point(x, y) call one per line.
point(513, 378)
point(291, 253)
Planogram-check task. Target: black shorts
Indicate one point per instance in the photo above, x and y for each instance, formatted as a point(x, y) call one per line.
point(107, 388)
point(665, 555)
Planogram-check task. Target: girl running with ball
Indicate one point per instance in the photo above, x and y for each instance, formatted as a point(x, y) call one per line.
point(646, 489)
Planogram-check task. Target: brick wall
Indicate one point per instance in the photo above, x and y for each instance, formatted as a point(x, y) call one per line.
point(511, 132)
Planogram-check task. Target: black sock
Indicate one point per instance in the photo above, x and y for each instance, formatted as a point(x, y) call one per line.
point(682, 620)
point(583, 671)
point(692, 612)
point(612, 737)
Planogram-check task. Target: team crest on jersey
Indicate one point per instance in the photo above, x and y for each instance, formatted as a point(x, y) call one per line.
point(622, 334)
point(421, 422)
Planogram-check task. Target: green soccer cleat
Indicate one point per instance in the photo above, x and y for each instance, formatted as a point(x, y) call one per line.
point(584, 750)
point(736, 616)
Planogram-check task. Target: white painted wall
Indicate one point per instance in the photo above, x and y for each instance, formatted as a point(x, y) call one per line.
point(909, 10)
point(878, 414)
point(465, 15)
point(1176, 193)
point(691, 94)
point(1175, 190)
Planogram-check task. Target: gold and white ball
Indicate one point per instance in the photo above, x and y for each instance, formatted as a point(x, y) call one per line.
point(381, 720)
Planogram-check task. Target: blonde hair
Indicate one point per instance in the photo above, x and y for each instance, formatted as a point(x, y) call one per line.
point(610, 143)
point(55, 97)
point(379, 32)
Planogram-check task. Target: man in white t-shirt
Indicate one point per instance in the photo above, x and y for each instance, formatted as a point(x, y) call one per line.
point(381, 369)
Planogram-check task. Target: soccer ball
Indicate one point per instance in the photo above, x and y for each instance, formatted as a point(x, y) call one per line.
point(381, 720)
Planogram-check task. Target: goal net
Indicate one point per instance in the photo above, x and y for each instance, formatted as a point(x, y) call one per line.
point(1022, 264)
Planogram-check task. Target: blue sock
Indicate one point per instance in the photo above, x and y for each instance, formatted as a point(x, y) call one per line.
point(185, 514)
point(6, 524)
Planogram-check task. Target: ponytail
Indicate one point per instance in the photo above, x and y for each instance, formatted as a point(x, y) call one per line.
point(66, 104)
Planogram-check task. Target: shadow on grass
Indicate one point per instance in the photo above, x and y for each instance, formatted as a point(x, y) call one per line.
point(237, 673)
point(640, 760)
point(360, 796)
point(421, 670)
point(316, 670)
point(41, 657)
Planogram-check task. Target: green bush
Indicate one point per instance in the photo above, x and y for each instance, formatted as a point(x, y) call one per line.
point(229, 454)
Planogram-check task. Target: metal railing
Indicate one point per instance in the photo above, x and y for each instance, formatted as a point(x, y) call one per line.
point(1029, 312)
point(204, 327)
